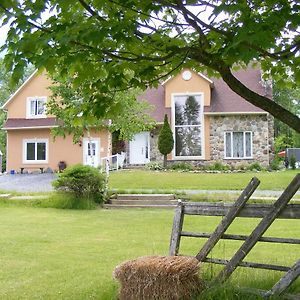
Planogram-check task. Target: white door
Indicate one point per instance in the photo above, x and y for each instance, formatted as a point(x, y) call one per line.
point(139, 149)
point(91, 154)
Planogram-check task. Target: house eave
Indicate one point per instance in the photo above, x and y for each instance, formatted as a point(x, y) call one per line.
point(18, 90)
point(32, 127)
point(236, 113)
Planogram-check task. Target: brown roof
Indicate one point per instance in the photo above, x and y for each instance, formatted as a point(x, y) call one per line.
point(223, 99)
point(17, 123)
point(156, 97)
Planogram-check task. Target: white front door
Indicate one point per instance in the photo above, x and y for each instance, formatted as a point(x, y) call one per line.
point(139, 149)
point(91, 154)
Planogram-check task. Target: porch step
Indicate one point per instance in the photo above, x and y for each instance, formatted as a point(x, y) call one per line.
point(153, 197)
point(124, 206)
point(142, 201)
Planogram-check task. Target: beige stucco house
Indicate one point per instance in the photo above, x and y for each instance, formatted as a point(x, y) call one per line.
point(30, 145)
point(210, 123)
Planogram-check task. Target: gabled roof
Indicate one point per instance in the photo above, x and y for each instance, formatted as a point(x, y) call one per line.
point(199, 74)
point(19, 89)
point(223, 100)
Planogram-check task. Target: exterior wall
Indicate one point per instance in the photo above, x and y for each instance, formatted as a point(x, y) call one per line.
point(196, 84)
point(62, 149)
point(258, 124)
point(37, 86)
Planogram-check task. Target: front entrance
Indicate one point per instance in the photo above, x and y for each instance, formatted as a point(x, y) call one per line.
point(139, 149)
point(91, 154)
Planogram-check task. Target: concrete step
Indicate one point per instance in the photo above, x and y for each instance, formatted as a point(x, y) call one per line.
point(152, 197)
point(143, 202)
point(118, 206)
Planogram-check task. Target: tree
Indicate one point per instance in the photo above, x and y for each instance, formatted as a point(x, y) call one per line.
point(165, 140)
point(5, 91)
point(72, 106)
point(108, 46)
point(289, 98)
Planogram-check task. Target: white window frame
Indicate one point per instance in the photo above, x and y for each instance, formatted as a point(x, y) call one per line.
point(173, 95)
point(244, 144)
point(29, 115)
point(25, 142)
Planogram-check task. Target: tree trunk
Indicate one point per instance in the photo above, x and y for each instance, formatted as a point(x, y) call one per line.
point(165, 161)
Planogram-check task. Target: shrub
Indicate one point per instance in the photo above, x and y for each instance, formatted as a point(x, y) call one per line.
point(255, 166)
point(182, 166)
point(293, 162)
point(165, 140)
point(218, 166)
point(154, 166)
point(276, 164)
point(84, 182)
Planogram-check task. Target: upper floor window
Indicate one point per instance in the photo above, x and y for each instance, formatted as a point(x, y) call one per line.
point(188, 125)
point(36, 107)
point(238, 144)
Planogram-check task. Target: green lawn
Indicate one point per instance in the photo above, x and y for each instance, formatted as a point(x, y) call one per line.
point(71, 254)
point(139, 179)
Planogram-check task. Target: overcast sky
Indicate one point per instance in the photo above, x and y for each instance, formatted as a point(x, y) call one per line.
point(3, 33)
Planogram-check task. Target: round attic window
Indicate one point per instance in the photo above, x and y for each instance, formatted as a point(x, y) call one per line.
point(186, 75)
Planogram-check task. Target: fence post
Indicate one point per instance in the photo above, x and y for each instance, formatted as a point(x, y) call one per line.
point(176, 229)
point(228, 219)
point(261, 228)
point(286, 280)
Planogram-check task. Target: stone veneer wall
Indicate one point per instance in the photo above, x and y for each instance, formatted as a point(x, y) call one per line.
point(155, 155)
point(262, 139)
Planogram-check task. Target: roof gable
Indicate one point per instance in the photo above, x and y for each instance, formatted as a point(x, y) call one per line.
point(25, 83)
point(200, 75)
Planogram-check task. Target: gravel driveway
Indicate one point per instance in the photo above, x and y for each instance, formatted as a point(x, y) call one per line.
point(27, 182)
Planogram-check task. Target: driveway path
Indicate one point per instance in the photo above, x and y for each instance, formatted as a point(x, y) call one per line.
point(27, 182)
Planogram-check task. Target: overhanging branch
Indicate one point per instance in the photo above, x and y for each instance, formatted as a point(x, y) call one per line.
point(262, 102)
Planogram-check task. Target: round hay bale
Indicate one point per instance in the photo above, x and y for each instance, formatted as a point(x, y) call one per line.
point(159, 277)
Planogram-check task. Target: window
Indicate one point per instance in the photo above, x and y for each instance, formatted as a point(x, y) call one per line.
point(188, 115)
point(35, 151)
point(36, 107)
point(238, 144)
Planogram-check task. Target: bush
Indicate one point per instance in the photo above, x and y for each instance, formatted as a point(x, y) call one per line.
point(154, 166)
point(181, 166)
point(218, 166)
point(83, 182)
point(293, 162)
point(255, 166)
point(276, 164)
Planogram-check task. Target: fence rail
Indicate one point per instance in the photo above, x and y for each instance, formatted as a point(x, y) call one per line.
point(267, 212)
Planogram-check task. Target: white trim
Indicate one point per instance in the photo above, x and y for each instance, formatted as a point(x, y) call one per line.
point(32, 127)
point(131, 146)
point(244, 144)
point(25, 141)
point(202, 127)
point(28, 107)
point(19, 89)
point(97, 154)
point(198, 73)
point(235, 113)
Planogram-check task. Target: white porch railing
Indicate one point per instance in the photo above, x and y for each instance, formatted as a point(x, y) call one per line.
point(113, 162)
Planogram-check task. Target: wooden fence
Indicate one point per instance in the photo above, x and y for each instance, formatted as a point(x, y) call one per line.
point(267, 212)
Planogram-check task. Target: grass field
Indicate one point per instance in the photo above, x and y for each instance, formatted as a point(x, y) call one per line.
point(139, 179)
point(71, 254)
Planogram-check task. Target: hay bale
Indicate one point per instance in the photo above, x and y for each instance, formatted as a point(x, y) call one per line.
point(159, 277)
